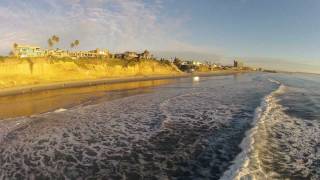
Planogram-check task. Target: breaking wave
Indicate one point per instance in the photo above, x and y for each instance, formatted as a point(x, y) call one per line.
point(279, 146)
point(247, 163)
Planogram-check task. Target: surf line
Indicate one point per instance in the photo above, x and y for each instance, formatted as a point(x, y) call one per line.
point(241, 167)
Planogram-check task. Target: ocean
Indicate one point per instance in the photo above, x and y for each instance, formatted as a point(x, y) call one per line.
point(284, 142)
point(241, 126)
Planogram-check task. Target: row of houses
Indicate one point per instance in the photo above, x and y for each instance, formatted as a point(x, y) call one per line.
point(211, 65)
point(25, 51)
point(134, 55)
point(194, 63)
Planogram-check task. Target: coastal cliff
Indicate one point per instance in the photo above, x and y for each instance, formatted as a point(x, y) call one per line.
point(19, 72)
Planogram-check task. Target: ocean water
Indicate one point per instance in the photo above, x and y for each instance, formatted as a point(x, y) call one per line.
point(284, 142)
point(242, 126)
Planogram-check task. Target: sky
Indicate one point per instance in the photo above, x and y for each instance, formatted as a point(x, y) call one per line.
point(275, 34)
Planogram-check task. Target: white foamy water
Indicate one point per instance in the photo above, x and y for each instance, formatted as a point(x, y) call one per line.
point(188, 130)
point(279, 146)
point(247, 164)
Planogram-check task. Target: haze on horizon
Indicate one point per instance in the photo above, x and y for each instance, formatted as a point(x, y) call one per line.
point(282, 35)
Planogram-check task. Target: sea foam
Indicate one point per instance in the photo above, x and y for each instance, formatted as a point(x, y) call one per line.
point(278, 146)
point(242, 167)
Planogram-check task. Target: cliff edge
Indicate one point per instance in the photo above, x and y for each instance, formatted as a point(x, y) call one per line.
point(16, 72)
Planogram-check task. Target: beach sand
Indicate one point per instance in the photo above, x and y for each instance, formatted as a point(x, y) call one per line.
point(82, 83)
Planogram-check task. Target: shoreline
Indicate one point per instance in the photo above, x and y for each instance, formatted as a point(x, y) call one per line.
point(83, 83)
point(139, 117)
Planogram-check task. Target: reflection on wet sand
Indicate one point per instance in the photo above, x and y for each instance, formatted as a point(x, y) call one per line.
point(40, 102)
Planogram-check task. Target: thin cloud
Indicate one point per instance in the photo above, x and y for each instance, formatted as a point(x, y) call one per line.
point(116, 24)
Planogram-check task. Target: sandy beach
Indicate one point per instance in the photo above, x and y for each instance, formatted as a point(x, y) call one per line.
point(82, 83)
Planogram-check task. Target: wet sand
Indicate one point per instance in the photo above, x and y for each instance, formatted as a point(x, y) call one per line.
point(84, 83)
point(36, 99)
point(33, 103)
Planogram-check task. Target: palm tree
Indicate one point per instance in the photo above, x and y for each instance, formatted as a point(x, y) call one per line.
point(76, 42)
point(55, 38)
point(11, 53)
point(50, 42)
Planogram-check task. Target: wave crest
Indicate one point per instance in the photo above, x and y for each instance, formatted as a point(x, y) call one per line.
point(279, 146)
point(247, 164)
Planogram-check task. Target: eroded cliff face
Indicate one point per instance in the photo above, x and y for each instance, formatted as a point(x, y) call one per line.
point(19, 72)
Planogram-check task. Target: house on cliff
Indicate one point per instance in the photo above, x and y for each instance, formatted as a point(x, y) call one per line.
point(145, 55)
point(129, 55)
point(24, 51)
point(96, 53)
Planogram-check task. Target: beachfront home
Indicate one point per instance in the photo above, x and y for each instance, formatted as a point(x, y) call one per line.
point(196, 63)
point(97, 53)
point(127, 55)
point(130, 55)
point(24, 51)
point(81, 54)
point(58, 53)
point(119, 56)
point(35, 51)
point(191, 63)
point(145, 55)
point(100, 53)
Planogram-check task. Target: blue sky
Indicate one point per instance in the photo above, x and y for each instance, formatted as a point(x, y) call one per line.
point(279, 34)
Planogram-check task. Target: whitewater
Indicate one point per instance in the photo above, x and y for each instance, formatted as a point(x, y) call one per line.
point(284, 141)
point(220, 127)
point(247, 164)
